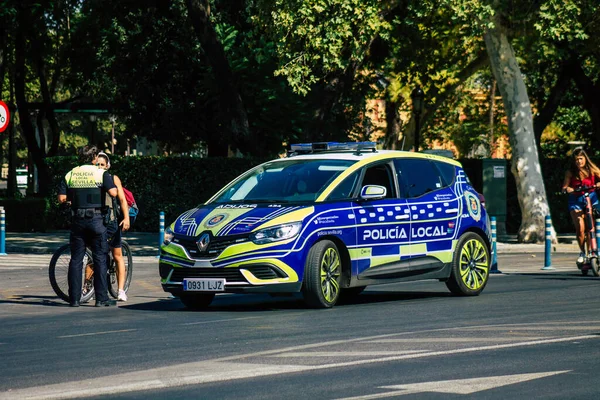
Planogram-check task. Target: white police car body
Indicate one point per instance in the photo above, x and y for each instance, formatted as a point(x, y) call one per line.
point(329, 220)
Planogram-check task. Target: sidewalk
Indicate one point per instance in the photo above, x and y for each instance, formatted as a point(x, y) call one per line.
point(146, 243)
point(141, 243)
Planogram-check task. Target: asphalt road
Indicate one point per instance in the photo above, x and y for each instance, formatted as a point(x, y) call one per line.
point(531, 334)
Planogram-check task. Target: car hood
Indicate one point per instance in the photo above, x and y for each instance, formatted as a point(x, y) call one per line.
point(236, 219)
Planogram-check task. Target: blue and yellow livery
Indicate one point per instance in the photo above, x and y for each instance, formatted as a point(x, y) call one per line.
point(329, 220)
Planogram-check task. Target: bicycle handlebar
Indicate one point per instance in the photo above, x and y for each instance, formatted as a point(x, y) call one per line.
point(580, 189)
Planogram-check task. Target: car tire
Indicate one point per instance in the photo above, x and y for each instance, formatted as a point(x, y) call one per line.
point(197, 301)
point(470, 266)
point(322, 275)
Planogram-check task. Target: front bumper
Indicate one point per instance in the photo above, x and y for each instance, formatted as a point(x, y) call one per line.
point(256, 277)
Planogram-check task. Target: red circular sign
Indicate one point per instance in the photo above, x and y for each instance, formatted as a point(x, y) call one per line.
point(4, 116)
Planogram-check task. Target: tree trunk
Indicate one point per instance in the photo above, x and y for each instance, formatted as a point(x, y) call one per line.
point(231, 103)
point(393, 126)
point(547, 111)
point(22, 105)
point(525, 160)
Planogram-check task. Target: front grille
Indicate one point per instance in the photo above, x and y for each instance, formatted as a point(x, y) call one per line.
point(230, 274)
point(215, 248)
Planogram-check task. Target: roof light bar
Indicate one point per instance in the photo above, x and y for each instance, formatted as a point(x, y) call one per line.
point(332, 146)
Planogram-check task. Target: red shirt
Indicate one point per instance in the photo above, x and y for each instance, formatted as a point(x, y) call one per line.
point(576, 182)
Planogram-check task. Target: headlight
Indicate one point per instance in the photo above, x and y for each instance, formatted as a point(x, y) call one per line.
point(276, 233)
point(169, 235)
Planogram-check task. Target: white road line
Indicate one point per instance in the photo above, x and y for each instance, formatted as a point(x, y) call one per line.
point(348, 353)
point(460, 339)
point(95, 333)
point(542, 328)
point(217, 371)
point(218, 320)
point(458, 386)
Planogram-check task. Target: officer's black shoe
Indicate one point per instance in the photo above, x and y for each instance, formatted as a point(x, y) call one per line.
point(74, 304)
point(106, 303)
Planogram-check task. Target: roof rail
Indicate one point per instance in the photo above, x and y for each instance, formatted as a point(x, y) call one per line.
point(331, 147)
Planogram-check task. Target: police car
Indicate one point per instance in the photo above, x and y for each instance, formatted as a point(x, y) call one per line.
point(329, 220)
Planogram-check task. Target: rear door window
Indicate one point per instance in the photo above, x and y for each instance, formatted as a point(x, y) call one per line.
point(418, 176)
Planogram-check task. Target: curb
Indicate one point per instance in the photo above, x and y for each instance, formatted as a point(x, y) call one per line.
point(48, 250)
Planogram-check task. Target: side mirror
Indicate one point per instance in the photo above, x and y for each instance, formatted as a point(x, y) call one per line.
point(373, 192)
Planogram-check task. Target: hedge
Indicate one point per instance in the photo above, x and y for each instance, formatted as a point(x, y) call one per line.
point(176, 184)
point(169, 184)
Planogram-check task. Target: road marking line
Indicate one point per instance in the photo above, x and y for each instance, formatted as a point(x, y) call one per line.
point(217, 371)
point(347, 353)
point(543, 328)
point(457, 386)
point(459, 340)
point(95, 333)
point(218, 320)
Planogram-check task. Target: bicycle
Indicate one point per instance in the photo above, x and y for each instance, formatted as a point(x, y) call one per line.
point(591, 261)
point(59, 269)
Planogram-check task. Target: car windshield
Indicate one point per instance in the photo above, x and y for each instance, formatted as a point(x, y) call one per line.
point(284, 181)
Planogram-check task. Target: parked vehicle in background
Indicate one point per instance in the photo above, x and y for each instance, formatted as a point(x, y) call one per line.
point(327, 221)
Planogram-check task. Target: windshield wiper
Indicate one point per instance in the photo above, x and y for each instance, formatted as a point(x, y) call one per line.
point(266, 201)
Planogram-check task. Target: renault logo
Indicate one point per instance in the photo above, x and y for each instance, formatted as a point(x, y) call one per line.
point(203, 242)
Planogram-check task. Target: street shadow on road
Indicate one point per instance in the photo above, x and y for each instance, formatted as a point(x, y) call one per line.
point(557, 275)
point(262, 302)
point(230, 303)
point(52, 301)
point(368, 297)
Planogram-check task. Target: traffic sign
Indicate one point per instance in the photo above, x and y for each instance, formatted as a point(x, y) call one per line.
point(4, 116)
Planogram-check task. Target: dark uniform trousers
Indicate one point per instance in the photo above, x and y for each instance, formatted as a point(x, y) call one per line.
point(88, 231)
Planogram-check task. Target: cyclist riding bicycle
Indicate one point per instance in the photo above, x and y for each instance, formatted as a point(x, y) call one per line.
point(581, 173)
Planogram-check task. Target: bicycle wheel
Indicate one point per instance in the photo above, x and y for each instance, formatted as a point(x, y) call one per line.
point(58, 272)
point(113, 283)
point(595, 266)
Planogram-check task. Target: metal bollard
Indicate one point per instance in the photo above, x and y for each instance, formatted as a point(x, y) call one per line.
point(494, 269)
point(548, 252)
point(2, 232)
point(161, 231)
point(598, 232)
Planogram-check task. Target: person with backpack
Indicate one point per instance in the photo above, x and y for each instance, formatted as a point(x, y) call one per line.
point(118, 221)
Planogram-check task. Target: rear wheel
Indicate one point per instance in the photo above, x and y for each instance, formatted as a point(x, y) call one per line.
point(322, 275)
point(197, 301)
point(113, 283)
point(470, 266)
point(58, 272)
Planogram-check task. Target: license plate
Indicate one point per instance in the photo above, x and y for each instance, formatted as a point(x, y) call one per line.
point(203, 285)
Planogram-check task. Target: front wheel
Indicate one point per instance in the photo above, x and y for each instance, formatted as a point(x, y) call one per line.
point(58, 273)
point(595, 266)
point(197, 301)
point(322, 275)
point(470, 266)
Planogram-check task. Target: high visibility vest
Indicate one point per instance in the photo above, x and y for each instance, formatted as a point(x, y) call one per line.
point(84, 186)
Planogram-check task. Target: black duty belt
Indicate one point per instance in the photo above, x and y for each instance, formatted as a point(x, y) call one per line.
point(87, 212)
point(94, 210)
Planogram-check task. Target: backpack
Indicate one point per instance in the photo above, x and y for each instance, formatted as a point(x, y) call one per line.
point(133, 208)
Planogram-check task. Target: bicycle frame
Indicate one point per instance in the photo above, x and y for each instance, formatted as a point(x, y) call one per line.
point(590, 225)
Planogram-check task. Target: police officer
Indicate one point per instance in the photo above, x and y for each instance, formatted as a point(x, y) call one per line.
point(86, 187)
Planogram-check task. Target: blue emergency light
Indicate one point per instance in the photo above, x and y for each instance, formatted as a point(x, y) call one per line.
point(305, 148)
